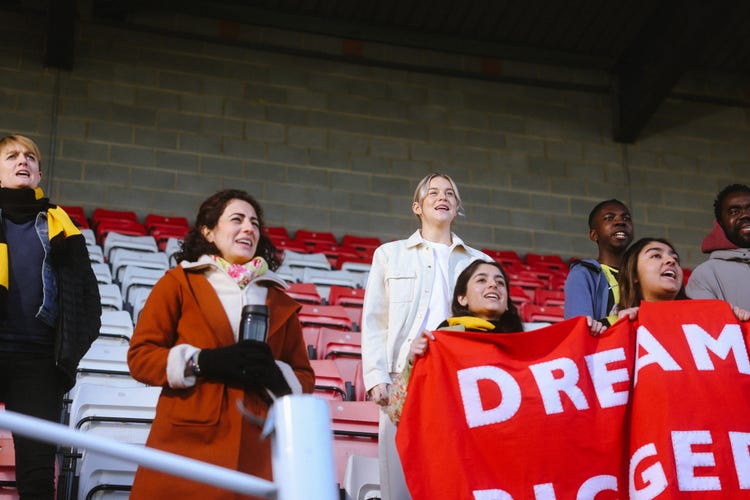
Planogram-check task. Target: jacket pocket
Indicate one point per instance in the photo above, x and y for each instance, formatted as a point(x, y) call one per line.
point(401, 287)
point(199, 405)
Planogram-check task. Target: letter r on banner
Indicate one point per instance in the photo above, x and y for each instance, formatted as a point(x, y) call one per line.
point(476, 415)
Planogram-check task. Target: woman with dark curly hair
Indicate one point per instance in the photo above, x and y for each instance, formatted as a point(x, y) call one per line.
point(186, 341)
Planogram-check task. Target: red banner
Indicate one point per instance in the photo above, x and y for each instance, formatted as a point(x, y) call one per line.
point(656, 408)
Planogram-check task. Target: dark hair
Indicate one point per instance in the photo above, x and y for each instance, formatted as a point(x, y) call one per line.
point(730, 189)
point(195, 244)
point(598, 207)
point(510, 321)
point(630, 293)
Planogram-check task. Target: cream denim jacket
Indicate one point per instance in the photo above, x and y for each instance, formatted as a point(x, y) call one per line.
point(396, 300)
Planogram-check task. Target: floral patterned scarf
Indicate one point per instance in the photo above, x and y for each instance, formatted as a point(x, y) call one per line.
point(243, 274)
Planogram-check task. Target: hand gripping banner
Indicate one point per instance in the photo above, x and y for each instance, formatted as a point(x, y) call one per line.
point(655, 408)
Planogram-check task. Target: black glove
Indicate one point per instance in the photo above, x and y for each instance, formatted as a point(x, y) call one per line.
point(266, 372)
point(248, 363)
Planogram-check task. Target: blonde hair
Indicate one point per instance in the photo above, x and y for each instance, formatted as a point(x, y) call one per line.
point(23, 141)
point(424, 185)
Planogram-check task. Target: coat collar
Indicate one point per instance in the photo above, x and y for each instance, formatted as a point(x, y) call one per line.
point(416, 240)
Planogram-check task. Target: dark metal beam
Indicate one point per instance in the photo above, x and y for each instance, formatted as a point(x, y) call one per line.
point(664, 49)
point(61, 34)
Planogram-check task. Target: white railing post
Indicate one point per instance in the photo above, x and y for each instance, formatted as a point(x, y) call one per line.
point(302, 452)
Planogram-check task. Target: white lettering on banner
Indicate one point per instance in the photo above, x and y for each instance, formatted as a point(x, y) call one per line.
point(741, 452)
point(687, 460)
point(510, 400)
point(653, 476)
point(604, 379)
point(492, 495)
point(656, 353)
point(730, 339)
point(596, 484)
point(544, 491)
point(550, 386)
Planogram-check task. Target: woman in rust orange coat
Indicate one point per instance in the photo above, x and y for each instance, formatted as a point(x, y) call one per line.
point(186, 341)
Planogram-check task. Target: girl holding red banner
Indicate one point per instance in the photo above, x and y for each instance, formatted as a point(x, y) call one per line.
point(651, 271)
point(409, 291)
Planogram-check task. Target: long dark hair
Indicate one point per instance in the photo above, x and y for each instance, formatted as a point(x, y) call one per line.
point(627, 279)
point(510, 321)
point(195, 244)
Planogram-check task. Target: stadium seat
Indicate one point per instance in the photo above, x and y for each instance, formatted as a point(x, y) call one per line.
point(89, 236)
point(95, 253)
point(277, 232)
point(162, 235)
point(333, 343)
point(549, 297)
point(351, 372)
point(102, 273)
point(311, 334)
point(325, 279)
point(122, 257)
point(170, 248)
point(77, 215)
point(101, 214)
point(346, 296)
point(134, 277)
point(107, 358)
point(362, 478)
point(304, 293)
point(355, 265)
point(116, 324)
point(365, 245)
point(509, 259)
point(127, 227)
point(101, 476)
point(355, 432)
point(334, 253)
point(329, 384)
point(531, 313)
point(110, 297)
point(129, 242)
point(327, 316)
point(519, 295)
point(137, 301)
point(155, 220)
point(311, 238)
point(550, 261)
point(305, 260)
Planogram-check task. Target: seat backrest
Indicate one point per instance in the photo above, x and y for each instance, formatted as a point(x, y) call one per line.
point(328, 381)
point(122, 257)
point(362, 478)
point(138, 277)
point(313, 237)
point(355, 432)
point(304, 293)
point(102, 272)
point(330, 316)
point(110, 297)
point(116, 324)
point(346, 296)
point(139, 243)
point(337, 343)
point(313, 260)
point(117, 404)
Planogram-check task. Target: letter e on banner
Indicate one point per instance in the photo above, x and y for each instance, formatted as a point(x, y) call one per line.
point(476, 415)
point(741, 452)
point(687, 460)
point(604, 379)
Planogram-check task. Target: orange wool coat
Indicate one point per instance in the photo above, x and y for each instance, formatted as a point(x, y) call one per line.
point(202, 422)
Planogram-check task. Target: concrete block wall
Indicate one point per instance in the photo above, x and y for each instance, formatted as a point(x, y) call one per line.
point(154, 123)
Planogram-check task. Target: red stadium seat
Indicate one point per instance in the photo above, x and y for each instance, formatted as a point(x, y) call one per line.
point(355, 432)
point(154, 220)
point(328, 316)
point(304, 293)
point(333, 343)
point(7, 464)
point(549, 297)
point(277, 232)
point(124, 226)
point(344, 296)
point(519, 295)
point(311, 334)
point(313, 237)
point(365, 245)
point(329, 384)
point(509, 259)
point(103, 213)
point(532, 313)
point(78, 216)
point(552, 261)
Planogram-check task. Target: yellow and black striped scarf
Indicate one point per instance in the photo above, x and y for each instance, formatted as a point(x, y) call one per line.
point(21, 205)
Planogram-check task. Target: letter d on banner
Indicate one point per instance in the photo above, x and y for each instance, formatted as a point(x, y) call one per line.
point(510, 391)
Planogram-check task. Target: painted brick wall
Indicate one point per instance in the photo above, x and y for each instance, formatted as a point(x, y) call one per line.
point(154, 123)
